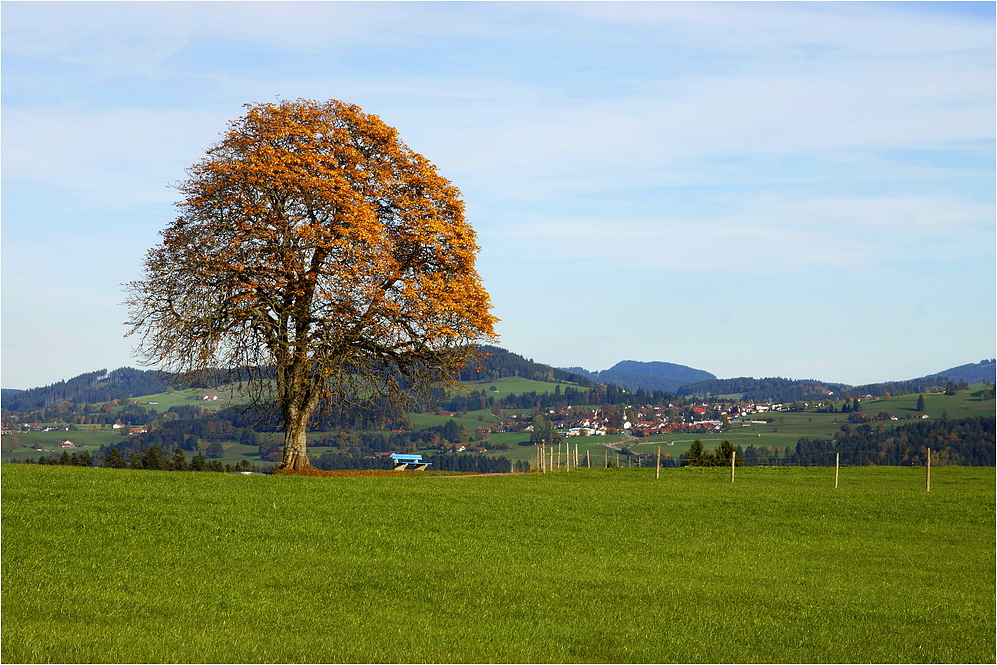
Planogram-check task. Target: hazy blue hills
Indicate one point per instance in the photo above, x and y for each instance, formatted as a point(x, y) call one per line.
point(103, 386)
point(123, 383)
point(668, 377)
point(985, 370)
point(683, 380)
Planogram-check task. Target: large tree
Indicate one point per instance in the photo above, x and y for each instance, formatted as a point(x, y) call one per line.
point(318, 260)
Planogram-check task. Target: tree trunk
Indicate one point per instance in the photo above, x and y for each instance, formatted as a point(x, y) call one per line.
point(295, 451)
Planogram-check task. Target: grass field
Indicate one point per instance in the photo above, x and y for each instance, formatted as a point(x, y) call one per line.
point(163, 402)
point(104, 565)
point(85, 438)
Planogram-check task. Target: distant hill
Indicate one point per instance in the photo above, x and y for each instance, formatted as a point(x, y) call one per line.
point(647, 375)
point(985, 370)
point(806, 390)
point(126, 382)
point(766, 389)
point(682, 380)
point(92, 387)
point(495, 363)
point(980, 372)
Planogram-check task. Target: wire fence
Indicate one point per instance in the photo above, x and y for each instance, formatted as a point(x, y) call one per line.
point(551, 458)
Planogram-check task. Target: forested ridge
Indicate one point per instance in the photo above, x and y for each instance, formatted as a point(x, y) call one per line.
point(102, 386)
point(91, 388)
point(494, 362)
point(775, 389)
point(767, 389)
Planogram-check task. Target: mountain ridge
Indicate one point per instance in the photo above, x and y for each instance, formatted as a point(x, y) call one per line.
point(126, 382)
point(653, 375)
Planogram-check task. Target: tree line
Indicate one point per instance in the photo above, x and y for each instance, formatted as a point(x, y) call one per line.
point(777, 389)
point(560, 398)
point(964, 442)
point(150, 459)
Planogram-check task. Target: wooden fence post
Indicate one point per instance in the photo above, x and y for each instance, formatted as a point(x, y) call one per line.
point(733, 454)
point(657, 464)
point(588, 460)
point(836, 470)
point(927, 480)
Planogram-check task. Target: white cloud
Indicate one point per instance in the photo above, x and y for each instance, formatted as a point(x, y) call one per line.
point(121, 156)
point(737, 115)
point(767, 235)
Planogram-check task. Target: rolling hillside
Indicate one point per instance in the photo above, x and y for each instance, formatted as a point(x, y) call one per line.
point(495, 363)
point(668, 377)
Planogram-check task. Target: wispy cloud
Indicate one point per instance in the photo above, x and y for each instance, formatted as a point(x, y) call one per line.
point(768, 235)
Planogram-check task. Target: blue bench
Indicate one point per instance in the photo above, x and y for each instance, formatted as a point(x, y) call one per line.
point(409, 462)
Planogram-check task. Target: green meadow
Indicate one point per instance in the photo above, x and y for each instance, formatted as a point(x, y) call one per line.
point(600, 565)
point(163, 402)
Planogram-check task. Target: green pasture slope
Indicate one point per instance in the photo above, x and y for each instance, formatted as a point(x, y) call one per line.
point(602, 565)
point(163, 402)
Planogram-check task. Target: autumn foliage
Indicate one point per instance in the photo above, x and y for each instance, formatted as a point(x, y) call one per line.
point(319, 256)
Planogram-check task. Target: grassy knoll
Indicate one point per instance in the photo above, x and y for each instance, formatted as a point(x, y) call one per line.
point(226, 395)
point(963, 404)
point(590, 566)
point(469, 420)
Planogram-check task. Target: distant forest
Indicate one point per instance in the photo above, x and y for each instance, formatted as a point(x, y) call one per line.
point(92, 388)
point(495, 363)
point(963, 442)
point(803, 390)
point(763, 390)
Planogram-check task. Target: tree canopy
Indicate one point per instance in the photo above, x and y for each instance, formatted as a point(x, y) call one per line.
point(318, 259)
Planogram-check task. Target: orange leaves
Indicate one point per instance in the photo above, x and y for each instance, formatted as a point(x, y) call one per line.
point(311, 227)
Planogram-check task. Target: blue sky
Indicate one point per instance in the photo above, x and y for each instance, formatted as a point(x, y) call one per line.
point(755, 189)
